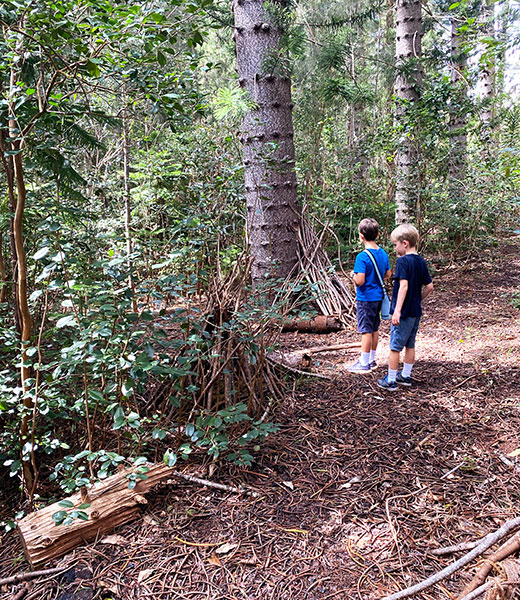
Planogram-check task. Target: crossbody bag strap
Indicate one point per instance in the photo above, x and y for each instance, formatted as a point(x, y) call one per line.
point(377, 270)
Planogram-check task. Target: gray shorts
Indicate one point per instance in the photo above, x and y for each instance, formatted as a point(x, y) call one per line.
point(403, 335)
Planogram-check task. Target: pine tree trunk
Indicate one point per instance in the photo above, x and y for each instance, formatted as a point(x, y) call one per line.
point(267, 138)
point(408, 32)
point(487, 67)
point(458, 117)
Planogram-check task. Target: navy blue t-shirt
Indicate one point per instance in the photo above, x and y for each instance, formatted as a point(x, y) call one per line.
point(411, 267)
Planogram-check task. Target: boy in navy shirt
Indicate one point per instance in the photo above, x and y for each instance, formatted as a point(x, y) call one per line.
point(412, 283)
point(369, 294)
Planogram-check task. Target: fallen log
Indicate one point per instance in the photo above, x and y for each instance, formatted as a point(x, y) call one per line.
point(112, 503)
point(320, 324)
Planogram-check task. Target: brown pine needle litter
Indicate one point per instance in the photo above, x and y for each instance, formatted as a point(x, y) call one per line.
point(432, 454)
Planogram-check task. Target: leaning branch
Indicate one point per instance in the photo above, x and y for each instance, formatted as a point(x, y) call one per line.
point(32, 575)
point(489, 540)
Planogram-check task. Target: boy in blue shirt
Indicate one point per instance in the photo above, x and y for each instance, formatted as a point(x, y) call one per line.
point(412, 283)
point(369, 294)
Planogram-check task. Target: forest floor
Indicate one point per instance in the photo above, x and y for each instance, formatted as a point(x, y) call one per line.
point(357, 488)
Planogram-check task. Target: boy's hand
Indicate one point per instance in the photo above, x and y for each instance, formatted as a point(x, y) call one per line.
point(352, 273)
point(396, 317)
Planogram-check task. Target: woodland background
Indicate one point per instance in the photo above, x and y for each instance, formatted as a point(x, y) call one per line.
point(128, 324)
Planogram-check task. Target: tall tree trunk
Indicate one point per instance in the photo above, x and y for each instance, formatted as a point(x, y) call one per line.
point(267, 138)
point(487, 68)
point(458, 116)
point(408, 32)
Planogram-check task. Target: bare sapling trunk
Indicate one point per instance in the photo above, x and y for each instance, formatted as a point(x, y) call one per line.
point(126, 194)
point(267, 139)
point(408, 32)
point(15, 145)
point(3, 273)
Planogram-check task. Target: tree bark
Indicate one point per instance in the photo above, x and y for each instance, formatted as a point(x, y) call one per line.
point(458, 116)
point(24, 315)
point(3, 273)
point(487, 67)
point(267, 138)
point(408, 32)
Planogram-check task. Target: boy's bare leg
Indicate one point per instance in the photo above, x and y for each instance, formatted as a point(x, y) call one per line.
point(393, 360)
point(409, 355)
point(375, 340)
point(366, 342)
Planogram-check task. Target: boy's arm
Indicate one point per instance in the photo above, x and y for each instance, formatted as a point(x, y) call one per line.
point(426, 291)
point(359, 278)
point(388, 274)
point(401, 295)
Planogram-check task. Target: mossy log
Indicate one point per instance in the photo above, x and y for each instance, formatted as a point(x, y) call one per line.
point(112, 503)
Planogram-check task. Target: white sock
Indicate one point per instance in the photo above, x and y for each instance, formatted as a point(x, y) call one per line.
point(407, 370)
point(365, 358)
point(392, 374)
point(372, 355)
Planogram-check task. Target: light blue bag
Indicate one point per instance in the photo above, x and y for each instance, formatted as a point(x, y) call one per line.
point(385, 306)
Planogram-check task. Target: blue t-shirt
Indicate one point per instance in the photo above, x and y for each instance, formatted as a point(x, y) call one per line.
point(411, 267)
point(371, 290)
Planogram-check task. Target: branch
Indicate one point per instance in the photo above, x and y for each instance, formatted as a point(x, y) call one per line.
point(505, 550)
point(33, 575)
point(489, 540)
point(219, 486)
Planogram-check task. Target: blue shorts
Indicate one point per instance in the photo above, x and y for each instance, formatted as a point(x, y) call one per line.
point(403, 335)
point(368, 315)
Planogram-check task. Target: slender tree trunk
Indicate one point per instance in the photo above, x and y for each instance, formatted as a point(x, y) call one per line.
point(18, 183)
point(487, 68)
point(503, 38)
point(458, 115)
point(267, 138)
point(408, 32)
point(3, 273)
point(126, 193)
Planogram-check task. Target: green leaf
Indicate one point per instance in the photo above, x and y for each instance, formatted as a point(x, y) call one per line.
point(41, 253)
point(66, 504)
point(64, 321)
point(59, 517)
point(170, 458)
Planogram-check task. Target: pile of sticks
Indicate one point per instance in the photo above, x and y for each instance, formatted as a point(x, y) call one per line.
point(331, 296)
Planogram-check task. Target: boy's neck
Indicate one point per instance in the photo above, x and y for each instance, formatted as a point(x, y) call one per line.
point(370, 244)
point(411, 251)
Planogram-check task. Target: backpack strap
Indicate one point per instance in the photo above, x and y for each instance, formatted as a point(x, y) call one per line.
point(376, 269)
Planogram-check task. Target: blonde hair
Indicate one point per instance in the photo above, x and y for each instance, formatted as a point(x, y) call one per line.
point(405, 233)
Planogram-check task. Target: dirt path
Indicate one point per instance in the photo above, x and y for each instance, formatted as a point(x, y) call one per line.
point(359, 486)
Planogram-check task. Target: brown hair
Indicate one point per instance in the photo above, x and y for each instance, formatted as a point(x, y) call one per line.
point(369, 228)
point(405, 233)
